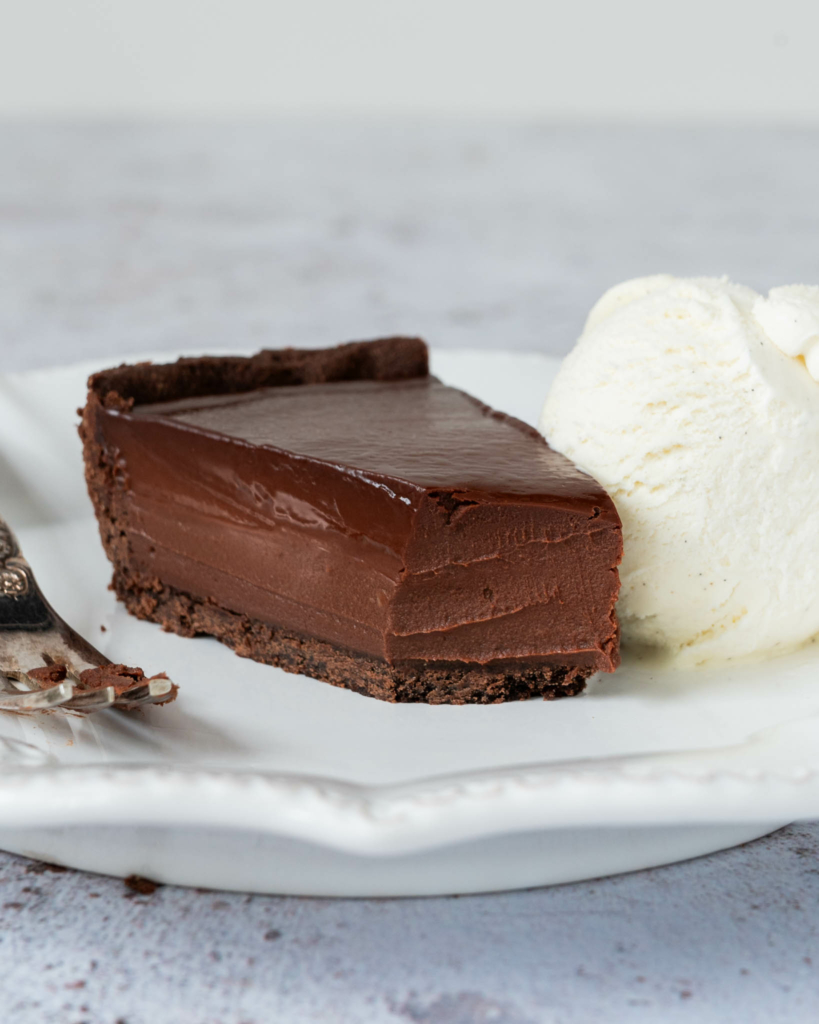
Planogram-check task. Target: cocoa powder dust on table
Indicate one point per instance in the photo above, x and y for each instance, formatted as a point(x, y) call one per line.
point(40, 867)
point(140, 885)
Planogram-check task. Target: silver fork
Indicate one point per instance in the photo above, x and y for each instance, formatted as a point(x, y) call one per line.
point(33, 636)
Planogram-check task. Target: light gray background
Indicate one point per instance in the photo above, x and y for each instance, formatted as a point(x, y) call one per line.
point(474, 233)
point(310, 231)
point(750, 60)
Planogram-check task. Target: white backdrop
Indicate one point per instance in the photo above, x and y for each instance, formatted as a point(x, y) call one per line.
point(748, 60)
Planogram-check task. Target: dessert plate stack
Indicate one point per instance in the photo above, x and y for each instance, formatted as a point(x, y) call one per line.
point(261, 781)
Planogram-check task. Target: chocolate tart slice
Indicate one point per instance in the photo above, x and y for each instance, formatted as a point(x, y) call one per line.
point(343, 514)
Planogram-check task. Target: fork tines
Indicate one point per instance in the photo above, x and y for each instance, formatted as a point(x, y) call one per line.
point(22, 693)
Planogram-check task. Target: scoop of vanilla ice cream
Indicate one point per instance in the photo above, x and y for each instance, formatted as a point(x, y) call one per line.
point(695, 402)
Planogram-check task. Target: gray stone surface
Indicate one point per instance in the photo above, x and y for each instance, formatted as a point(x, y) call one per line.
point(116, 239)
point(728, 938)
point(122, 239)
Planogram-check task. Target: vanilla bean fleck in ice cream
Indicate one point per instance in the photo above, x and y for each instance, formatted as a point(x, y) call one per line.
point(695, 403)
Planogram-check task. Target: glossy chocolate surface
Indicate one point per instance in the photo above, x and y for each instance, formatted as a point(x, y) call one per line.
point(417, 430)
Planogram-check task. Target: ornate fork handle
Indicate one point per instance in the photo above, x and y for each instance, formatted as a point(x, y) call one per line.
point(22, 605)
point(13, 577)
point(8, 543)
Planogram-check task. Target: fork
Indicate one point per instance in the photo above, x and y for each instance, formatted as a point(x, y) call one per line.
point(38, 647)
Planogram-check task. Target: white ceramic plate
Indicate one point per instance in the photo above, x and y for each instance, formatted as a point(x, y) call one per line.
point(259, 780)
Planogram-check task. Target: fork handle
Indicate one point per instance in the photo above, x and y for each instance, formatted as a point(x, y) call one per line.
point(21, 602)
point(28, 622)
point(9, 548)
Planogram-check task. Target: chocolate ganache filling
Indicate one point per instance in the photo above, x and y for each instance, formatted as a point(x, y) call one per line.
point(401, 519)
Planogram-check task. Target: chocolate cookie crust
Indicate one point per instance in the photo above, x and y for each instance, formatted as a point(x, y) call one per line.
point(385, 359)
